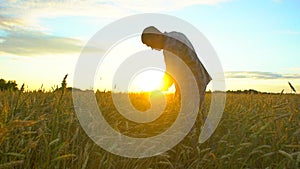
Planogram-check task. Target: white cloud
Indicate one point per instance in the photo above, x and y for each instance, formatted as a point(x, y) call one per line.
point(30, 43)
point(25, 35)
point(36, 43)
point(26, 14)
point(160, 6)
point(288, 32)
point(20, 13)
point(260, 75)
point(295, 69)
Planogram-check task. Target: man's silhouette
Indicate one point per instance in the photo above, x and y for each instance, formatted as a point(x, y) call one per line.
point(176, 44)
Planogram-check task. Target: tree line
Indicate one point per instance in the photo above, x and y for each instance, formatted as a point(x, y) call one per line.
point(8, 85)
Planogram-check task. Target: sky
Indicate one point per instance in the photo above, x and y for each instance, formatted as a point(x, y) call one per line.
point(257, 41)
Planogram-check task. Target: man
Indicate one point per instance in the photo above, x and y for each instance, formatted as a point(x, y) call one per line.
point(176, 44)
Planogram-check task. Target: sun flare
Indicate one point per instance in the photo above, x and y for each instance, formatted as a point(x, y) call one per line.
point(147, 81)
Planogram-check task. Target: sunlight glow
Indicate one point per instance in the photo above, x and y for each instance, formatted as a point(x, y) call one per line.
point(146, 81)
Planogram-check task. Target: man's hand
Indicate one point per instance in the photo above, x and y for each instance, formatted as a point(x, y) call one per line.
point(166, 82)
point(163, 87)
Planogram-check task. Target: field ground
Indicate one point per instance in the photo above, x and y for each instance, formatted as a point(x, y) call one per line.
point(41, 130)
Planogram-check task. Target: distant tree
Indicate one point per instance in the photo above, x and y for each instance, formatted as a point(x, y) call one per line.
point(10, 85)
point(2, 84)
point(252, 91)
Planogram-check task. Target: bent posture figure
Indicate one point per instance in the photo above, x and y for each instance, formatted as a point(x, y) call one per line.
point(176, 44)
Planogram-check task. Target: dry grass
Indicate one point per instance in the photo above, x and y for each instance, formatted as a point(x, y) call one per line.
point(40, 130)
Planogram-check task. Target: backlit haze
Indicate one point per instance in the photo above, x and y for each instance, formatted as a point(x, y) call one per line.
point(257, 42)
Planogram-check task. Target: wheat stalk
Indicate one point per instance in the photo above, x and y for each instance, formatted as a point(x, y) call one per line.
point(292, 87)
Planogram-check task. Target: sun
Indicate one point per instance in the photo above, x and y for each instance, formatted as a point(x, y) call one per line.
point(146, 81)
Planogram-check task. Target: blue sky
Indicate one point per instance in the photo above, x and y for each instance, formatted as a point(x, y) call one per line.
point(250, 33)
point(257, 41)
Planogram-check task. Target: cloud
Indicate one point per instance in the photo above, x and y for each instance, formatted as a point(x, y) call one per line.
point(31, 43)
point(294, 69)
point(260, 75)
point(288, 32)
point(21, 32)
point(26, 14)
point(21, 13)
point(161, 6)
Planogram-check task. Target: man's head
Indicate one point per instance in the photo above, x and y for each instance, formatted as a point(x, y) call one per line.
point(152, 37)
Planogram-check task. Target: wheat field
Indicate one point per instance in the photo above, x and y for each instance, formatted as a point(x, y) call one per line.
point(40, 129)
